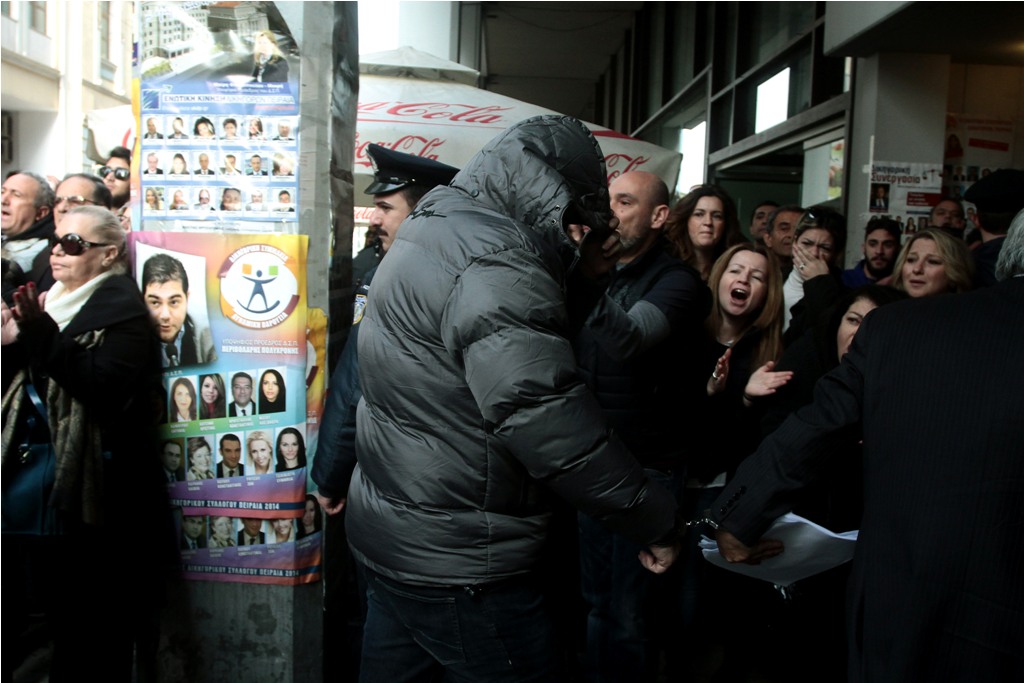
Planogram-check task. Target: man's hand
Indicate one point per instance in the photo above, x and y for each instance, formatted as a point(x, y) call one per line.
point(658, 558)
point(733, 549)
point(331, 506)
point(597, 257)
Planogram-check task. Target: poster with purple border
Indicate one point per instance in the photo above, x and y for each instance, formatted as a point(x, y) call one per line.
point(230, 311)
point(220, 548)
point(219, 114)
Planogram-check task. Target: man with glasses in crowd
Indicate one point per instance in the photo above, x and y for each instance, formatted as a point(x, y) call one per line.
point(116, 174)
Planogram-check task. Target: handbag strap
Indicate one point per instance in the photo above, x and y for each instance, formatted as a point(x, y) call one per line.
point(30, 389)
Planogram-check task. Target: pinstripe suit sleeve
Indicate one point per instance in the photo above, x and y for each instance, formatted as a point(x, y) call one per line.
point(791, 458)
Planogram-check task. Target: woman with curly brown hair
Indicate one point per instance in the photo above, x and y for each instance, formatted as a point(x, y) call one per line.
point(702, 226)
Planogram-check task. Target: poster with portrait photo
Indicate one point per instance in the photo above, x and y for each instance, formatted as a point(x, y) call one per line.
point(230, 455)
point(192, 532)
point(222, 533)
point(172, 459)
point(253, 303)
point(290, 448)
point(252, 299)
point(175, 294)
point(183, 406)
point(253, 531)
point(906, 190)
point(259, 452)
point(222, 93)
point(282, 531)
point(214, 557)
point(198, 460)
point(154, 199)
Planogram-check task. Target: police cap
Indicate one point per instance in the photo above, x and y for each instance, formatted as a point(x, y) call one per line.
point(394, 170)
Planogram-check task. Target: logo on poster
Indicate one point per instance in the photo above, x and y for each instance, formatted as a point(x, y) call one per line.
point(257, 288)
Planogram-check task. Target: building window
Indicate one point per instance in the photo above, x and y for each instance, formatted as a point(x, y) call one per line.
point(772, 101)
point(37, 18)
point(5, 8)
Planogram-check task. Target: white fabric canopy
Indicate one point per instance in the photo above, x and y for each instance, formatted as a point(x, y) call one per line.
point(416, 103)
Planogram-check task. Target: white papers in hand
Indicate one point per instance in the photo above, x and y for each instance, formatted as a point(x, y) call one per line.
point(809, 550)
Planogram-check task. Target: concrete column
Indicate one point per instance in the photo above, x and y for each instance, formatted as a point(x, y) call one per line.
point(212, 632)
point(899, 114)
point(71, 118)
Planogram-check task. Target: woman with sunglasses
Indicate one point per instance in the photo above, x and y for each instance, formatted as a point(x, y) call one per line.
point(81, 372)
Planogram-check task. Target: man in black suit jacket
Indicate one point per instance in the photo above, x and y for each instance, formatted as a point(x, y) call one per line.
point(170, 457)
point(936, 587)
point(251, 533)
point(230, 464)
point(192, 536)
point(241, 391)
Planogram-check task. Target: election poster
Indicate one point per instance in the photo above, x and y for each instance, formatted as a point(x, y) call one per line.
point(976, 146)
point(905, 192)
point(220, 116)
point(230, 312)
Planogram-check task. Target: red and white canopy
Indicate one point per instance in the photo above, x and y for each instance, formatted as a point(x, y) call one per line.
point(416, 103)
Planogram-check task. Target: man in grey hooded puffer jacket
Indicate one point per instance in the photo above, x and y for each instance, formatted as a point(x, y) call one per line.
point(473, 413)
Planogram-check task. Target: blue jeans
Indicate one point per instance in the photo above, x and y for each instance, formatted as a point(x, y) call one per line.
point(622, 596)
point(487, 633)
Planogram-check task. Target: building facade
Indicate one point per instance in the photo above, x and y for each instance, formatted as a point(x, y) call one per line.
point(790, 101)
point(61, 63)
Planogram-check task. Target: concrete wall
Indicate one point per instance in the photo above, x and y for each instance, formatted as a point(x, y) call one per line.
point(899, 114)
point(847, 20)
point(996, 91)
point(429, 26)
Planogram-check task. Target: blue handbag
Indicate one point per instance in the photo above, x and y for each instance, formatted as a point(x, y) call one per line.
point(28, 481)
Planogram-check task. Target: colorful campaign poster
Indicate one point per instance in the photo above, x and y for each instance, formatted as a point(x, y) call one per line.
point(905, 192)
point(231, 316)
point(251, 550)
point(316, 375)
point(219, 96)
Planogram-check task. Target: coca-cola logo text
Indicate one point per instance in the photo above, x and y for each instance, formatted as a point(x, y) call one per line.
point(417, 145)
point(617, 164)
point(439, 111)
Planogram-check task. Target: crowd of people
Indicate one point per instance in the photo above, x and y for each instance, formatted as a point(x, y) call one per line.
point(81, 380)
point(695, 343)
point(536, 342)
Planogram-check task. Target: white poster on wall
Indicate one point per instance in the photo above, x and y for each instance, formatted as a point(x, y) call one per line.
point(905, 192)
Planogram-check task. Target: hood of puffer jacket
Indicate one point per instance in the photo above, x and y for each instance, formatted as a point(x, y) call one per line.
point(535, 171)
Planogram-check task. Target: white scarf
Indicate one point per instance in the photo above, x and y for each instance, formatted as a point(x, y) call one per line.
point(63, 306)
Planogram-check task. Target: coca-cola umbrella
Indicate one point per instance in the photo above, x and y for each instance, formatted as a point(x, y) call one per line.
point(416, 103)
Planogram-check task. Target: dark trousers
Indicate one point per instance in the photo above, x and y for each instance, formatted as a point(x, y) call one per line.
point(630, 607)
point(488, 633)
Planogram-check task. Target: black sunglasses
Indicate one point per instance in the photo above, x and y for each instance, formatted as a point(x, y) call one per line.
point(119, 173)
point(73, 245)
